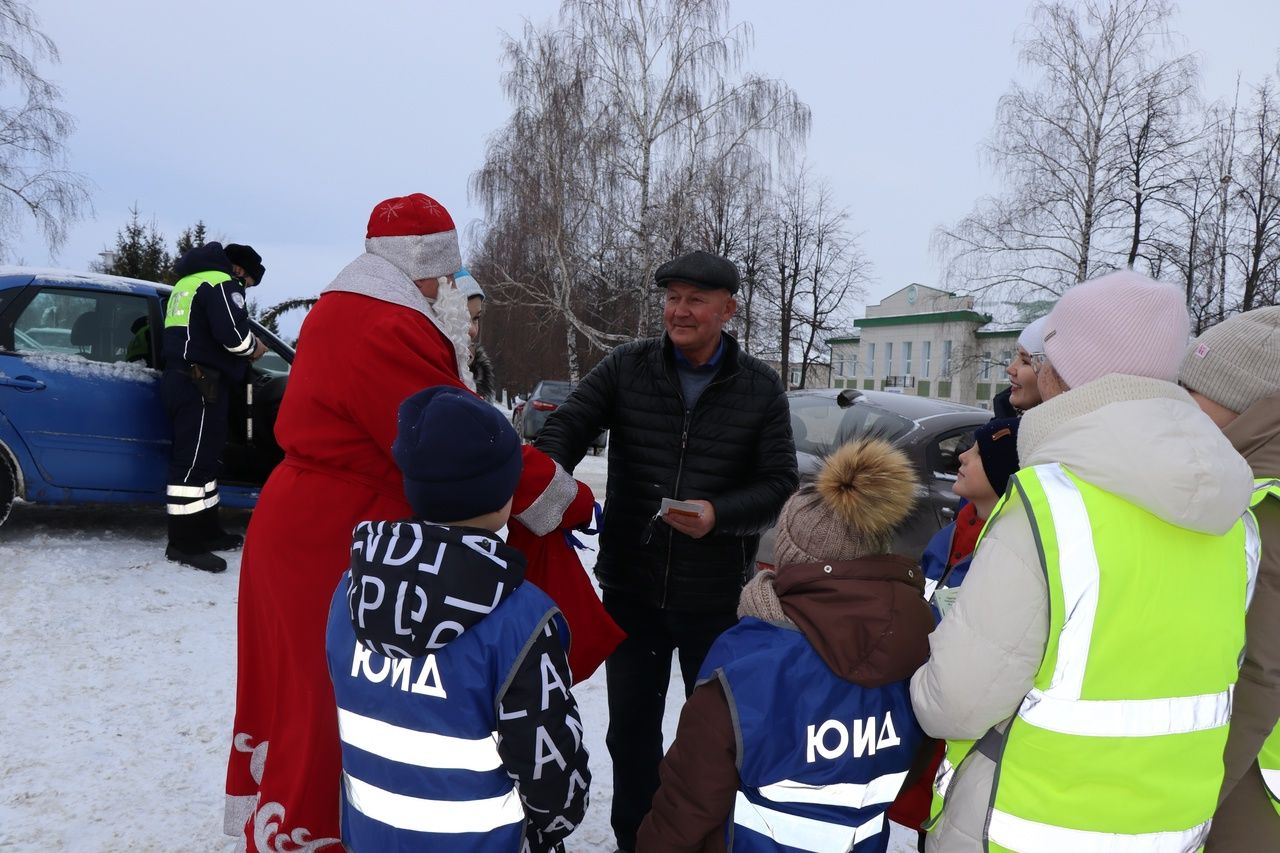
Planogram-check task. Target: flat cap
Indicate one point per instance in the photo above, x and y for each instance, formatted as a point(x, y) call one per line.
point(701, 269)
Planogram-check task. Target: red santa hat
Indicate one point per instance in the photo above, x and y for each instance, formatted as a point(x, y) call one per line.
point(415, 233)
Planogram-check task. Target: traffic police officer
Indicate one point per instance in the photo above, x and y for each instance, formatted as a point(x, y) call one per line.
point(208, 346)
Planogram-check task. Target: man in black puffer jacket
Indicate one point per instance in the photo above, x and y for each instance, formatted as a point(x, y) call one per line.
point(692, 418)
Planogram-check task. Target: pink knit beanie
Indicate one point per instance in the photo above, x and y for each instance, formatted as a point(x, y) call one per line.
point(1122, 322)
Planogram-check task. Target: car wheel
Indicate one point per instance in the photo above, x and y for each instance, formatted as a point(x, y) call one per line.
point(8, 488)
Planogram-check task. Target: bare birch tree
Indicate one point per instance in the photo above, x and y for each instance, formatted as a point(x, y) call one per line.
point(1257, 193)
point(622, 113)
point(33, 135)
point(817, 267)
point(1062, 144)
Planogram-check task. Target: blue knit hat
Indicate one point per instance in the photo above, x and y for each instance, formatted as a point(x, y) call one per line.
point(998, 449)
point(459, 456)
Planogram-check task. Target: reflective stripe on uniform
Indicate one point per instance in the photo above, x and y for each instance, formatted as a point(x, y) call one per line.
point(882, 789)
point(1079, 573)
point(1126, 717)
point(801, 833)
point(186, 491)
point(418, 814)
point(1017, 833)
point(422, 749)
point(1271, 778)
point(193, 507)
point(243, 347)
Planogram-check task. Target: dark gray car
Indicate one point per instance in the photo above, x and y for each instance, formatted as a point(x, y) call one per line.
point(532, 412)
point(933, 434)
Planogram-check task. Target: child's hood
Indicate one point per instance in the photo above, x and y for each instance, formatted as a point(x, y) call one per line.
point(415, 586)
point(866, 618)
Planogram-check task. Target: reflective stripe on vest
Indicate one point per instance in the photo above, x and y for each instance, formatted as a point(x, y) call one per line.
point(417, 814)
point(1092, 721)
point(801, 833)
point(178, 312)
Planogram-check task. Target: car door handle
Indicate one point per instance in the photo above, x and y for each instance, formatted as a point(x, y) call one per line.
point(22, 383)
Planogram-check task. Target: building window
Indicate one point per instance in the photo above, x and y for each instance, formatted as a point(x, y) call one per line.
point(795, 377)
point(837, 364)
point(906, 358)
point(888, 358)
point(853, 365)
point(871, 360)
point(1006, 357)
point(946, 359)
point(925, 358)
point(986, 365)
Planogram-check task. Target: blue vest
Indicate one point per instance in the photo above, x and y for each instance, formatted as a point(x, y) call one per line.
point(420, 764)
point(933, 562)
point(820, 759)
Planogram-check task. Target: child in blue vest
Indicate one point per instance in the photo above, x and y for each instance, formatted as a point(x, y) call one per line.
point(985, 469)
point(800, 732)
point(458, 729)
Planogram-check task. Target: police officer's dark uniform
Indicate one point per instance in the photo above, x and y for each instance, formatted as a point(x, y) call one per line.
point(208, 346)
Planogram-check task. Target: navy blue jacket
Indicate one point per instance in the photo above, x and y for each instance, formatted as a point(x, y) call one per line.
point(207, 321)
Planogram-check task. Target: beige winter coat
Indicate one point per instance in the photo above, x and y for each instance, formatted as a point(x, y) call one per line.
point(1246, 821)
point(1140, 439)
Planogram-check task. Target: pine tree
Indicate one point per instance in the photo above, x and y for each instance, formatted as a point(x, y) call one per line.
point(139, 252)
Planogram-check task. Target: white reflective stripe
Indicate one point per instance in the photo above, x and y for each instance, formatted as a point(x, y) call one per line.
point(422, 749)
point(1126, 717)
point(211, 486)
point(1019, 834)
point(1078, 572)
point(195, 454)
point(193, 507)
point(845, 794)
point(1271, 778)
point(185, 491)
point(942, 781)
point(243, 347)
point(803, 833)
point(1252, 554)
point(418, 814)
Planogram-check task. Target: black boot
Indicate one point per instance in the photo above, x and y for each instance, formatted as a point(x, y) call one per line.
point(185, 546)
point(213, 537)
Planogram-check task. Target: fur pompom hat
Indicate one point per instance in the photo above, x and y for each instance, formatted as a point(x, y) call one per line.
point(865, 489)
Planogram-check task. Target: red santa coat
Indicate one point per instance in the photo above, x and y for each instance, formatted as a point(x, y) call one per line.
point(548, 504)
point(366, 345)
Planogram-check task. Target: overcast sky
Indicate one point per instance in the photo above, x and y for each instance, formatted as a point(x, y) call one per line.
point(281, 123)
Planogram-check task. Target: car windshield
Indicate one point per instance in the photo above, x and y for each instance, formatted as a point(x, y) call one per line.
point(554, 392)
point(819, 424)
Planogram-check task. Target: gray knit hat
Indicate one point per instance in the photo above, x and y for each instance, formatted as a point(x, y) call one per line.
point(1237, 362)
point(863, 492)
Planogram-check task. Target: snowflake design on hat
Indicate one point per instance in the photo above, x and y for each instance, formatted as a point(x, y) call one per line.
point(391, 211)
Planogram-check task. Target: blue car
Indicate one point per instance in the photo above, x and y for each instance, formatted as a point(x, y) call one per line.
point(81, 419)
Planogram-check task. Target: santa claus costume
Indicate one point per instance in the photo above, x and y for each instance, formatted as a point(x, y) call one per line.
point(371, 340)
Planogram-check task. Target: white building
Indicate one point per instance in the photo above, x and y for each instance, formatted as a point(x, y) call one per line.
point(927, 342)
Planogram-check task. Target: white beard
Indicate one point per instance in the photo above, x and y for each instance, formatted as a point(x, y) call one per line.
point(454, 320)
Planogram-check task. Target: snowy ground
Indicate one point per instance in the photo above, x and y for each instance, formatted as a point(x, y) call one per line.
point(118, 675)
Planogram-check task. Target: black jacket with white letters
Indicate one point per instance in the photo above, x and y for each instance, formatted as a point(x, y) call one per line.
point(435, 631)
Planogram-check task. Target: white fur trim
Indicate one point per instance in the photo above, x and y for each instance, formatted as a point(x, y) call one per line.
point(419, 256)
point(546, 513)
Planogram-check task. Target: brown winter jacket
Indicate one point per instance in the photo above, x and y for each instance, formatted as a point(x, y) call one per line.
point(868, 621)
point(1245, 819)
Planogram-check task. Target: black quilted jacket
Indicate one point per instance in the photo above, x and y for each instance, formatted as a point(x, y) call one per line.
point(733, 449)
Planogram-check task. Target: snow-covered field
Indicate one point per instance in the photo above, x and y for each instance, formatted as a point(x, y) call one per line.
point(117, 670)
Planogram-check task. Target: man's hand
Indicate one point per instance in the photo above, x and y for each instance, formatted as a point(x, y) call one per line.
point(259, 349)
point(693, 526)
